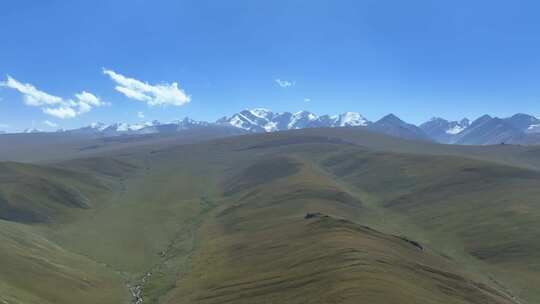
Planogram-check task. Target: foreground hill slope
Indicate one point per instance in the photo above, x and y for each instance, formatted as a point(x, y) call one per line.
point(224, 221)
point(263, 247)
point(35, 268)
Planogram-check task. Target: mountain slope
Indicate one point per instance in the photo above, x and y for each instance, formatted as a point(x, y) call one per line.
point(263, 120)
point(328, 260)
point(36, 194)
point(225, 221)
point(36, 270)
point(487, 130)
point(523, 122)
point(34, 265)
point(392, 125)
point(444, 131)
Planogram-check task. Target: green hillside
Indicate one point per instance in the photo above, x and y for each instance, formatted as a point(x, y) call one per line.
point(224, 221)
point(35, 269)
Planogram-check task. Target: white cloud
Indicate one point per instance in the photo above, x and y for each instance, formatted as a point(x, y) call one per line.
point(307, 99)
point(54, 105)
point(284, 83)
point(89, 99)
point(140, 115)
point(61, 112)
point(4, 126)
point(86, 101)
point(32, 96)
point(153, 95)
point(50, 124)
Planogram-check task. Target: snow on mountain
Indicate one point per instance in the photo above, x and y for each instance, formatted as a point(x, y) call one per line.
point(138, 126)
point(121, 127)
point(350, 119)
point(245, 120)
point(148, 127)
point(488, 130)
point(456, 129)
point(98, 126)
point(270, 126)
point(33, 130)
point(517, 129)
point(264, 120)
point(239, 122)
point(522, 122)
point(301, 120)
point(262, 113)
point(533, 129)
point(256, 120)
point(444, 131)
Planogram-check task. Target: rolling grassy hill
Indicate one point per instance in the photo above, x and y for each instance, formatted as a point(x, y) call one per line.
point(224, 221)
point(35, 269)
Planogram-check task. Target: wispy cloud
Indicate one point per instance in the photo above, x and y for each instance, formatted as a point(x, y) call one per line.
point(62, 112)
point(31, 95)
point(54, 105)
point(307, 99)
point(140, 115)
point(284, 83)
point(50, 124)
point(4, 126)
point(153, 95)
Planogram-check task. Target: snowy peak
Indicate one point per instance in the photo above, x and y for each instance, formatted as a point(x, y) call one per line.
point(148, 127)
point(517, 129)
point(261, 113)
point(302, 119)
point(444, 131)
point(98, 126)
point(245, 120)
point(264, 120)
point(185, 123)
point(350, 119)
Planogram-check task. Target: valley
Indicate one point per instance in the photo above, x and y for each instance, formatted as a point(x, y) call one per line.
point(174, 220)
point(269, 152)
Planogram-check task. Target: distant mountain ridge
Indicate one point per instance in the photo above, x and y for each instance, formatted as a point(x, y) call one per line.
point(442, 130)
point(485, 130)
point(153, 127)
point(263, 120)
point(394, 126)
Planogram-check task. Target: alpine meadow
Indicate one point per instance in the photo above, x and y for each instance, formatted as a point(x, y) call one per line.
point(258, 152)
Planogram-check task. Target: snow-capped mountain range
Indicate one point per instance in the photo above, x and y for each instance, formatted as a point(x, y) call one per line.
point(149, 127)
point(263, 120)
point(517, 129)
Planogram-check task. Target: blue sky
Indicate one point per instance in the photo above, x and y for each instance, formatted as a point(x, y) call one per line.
point(417, 59)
